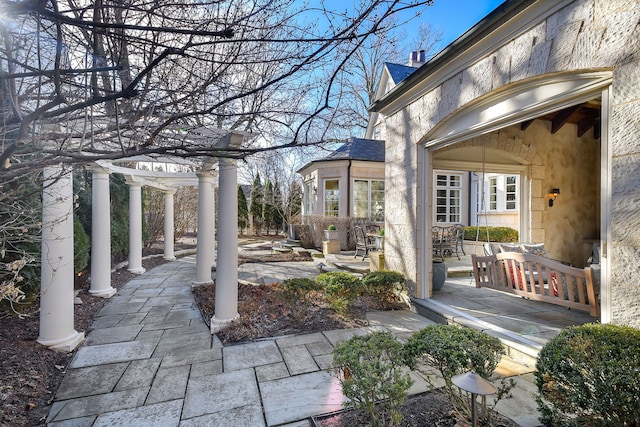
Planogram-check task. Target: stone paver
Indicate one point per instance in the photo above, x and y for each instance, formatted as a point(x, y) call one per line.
point(91, 380)
point(113, 353)
point(215, 393)
point(151, 360)
point(169, 384)
point(164, 414)
point(251, 355)
point(294, 398)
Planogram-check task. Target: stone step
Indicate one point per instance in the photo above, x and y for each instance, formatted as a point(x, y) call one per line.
point(519, 348)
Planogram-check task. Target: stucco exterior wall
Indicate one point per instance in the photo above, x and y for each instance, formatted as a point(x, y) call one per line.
point(585, 35)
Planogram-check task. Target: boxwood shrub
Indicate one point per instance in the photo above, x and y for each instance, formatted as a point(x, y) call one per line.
point(496, 234)
point(372, 376)
point(589, 375)
point(341, 289)
point(383, 286)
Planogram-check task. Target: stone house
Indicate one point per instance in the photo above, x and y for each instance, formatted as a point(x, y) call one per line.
point(349, 182)
point(545, 90)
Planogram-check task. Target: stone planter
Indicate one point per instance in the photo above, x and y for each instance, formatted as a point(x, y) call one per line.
point(439, 275)
point(331, 235)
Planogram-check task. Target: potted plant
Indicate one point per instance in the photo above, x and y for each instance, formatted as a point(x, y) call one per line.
point(331, 233)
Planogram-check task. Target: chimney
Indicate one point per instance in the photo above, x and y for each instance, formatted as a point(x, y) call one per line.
point(417, 58)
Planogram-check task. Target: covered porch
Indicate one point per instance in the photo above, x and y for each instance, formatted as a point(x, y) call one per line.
point(523, 325)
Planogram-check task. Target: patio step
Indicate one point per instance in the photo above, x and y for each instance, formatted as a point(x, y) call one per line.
point(520, 348)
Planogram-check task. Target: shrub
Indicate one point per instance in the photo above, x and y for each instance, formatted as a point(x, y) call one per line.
point(496, 234)
point(81, 246)
point(383, 286)
point(589, 375)
point(453, 350)
point(341, 288)
point(370, 370)
point(331, 227)
point(298, 293)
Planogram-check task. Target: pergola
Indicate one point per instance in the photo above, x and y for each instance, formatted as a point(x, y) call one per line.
point(57, 292)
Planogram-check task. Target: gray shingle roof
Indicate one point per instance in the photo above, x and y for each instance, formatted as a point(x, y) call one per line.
point(370, 150)
point(359, 149)
point(399, 72)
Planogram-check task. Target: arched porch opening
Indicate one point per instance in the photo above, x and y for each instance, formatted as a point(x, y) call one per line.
point(535, 129)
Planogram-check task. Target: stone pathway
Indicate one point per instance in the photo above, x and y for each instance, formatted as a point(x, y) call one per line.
point(151, 361)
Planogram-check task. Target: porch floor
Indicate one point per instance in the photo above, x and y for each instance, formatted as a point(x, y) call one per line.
point(523, 325)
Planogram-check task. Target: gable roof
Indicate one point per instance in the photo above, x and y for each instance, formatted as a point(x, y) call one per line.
point(368, 150)
point(399, 72)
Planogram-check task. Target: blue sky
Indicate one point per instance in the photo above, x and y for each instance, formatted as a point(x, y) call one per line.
point(453, 17)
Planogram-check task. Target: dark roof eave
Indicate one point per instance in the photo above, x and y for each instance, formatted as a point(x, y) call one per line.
point(480, 30)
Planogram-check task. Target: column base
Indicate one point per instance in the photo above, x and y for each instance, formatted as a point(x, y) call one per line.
point(104, 293)
point(169, 258)
point(219, 324)
point(139, 270)
point(66, 344)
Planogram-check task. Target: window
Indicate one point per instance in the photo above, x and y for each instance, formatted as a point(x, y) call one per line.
point(331, 197)
point(493, 194)
point(448, 193)
point(511, 193)
point(368, 199)
point(309, 198)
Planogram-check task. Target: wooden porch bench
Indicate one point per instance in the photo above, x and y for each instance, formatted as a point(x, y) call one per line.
point(537, 278)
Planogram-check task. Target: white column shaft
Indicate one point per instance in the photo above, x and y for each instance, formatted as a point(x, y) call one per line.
point(56, 292)
point(135, 228)
point(168, 226)
point(205, 227)
point(226, 308)
point(100, 234)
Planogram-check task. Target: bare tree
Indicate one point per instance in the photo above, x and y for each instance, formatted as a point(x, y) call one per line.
point(108, 79)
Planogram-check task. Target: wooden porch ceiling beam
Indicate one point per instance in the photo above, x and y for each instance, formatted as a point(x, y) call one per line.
point(563, 117)
point(587, 122)
point(524, 125)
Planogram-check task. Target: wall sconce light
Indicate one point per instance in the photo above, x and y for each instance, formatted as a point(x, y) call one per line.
point(552, 197)
point(315, 190)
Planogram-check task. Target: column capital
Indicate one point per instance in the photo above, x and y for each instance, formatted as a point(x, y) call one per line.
point(202, 173)
point(97, 169)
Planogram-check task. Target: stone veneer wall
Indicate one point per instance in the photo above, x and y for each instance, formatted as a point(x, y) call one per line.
point(586, 35)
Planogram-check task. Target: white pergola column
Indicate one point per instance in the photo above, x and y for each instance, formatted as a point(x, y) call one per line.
point(226, 309)
point(168, 225)
point(135, 228)
point(205, 240)
point(100, 234)
point(56, 289)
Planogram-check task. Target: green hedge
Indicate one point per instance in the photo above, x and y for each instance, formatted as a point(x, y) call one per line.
point(589, 375)
point(496, 234)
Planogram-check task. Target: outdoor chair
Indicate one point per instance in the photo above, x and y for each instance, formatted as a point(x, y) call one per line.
point(373, 228)
point(447, 240)
point(363, 243)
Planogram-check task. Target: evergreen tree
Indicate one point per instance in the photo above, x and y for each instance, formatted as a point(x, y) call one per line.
point(294, 201)
point(278, 207)
point(255, 205)
point(243, 210)
point(267, 206)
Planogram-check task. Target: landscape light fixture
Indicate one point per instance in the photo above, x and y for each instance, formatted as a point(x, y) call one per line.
point(553, 195)
point(476, 385)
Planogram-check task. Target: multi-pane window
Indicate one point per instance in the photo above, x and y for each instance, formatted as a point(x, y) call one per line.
point(493, 194)
point(511, 193)
point(331, 197)
point(309, 198)
point(448, 192)
point(368, 199)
